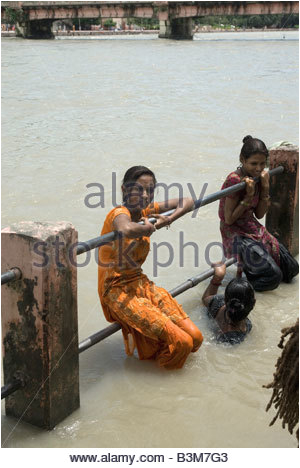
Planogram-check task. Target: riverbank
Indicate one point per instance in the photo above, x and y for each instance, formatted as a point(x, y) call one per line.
point(131, 32)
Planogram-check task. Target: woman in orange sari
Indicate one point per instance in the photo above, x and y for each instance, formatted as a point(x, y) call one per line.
point(152, 321)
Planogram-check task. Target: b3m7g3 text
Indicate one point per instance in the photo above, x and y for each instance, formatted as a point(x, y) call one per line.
point(202, 457)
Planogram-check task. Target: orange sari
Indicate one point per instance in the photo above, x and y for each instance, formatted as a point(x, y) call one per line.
point(144, 310)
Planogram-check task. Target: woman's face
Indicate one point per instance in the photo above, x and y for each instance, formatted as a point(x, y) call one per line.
point(254, 165)
point(140, 193)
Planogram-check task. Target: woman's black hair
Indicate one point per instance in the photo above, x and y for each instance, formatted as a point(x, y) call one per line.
point(252, 146)
point(239, 299)
point(133, 173)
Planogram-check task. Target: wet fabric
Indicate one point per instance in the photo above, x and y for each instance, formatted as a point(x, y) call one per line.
point(265, 261)
point(145, 311)
point(234, 337)
point(259, 266)
point(247, 225)
point(288, 265)
point(231, 337)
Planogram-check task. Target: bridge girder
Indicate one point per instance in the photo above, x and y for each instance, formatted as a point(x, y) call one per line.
point(161, 10)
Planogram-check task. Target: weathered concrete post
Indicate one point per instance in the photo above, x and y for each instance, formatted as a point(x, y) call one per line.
point(164, 21)
point(164, 29)
point(282, 219)
point(177, 28)
point(39, 321)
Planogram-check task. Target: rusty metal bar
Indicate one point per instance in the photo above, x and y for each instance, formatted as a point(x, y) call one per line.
point(96, 242)
point(10, 388)
point(11, 275)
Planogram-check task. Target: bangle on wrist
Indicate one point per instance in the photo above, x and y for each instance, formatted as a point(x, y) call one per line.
point(244, 203)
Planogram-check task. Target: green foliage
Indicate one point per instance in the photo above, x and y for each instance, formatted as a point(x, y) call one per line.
point(109, 23)
point(253, 21)
point(146, 23)
point(14, 15)
point(86, 23)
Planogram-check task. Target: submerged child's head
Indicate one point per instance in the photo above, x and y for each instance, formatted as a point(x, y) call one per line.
point(239, 299)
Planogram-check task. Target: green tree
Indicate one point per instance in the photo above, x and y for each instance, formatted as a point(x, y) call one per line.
point(253, 21)
point(85, 23)
point(109, 23)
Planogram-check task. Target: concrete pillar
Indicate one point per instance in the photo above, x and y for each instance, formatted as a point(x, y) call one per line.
point(39, 322)
point(164, 29)
point(182, 28)
point(282, 219)
point(22, 29)
point(178, 28)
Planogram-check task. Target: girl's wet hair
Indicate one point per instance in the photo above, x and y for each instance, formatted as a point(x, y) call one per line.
point(239, 299)
point(253, 146)
point(131, 176)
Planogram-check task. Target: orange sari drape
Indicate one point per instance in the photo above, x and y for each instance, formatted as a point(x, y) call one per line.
point(145, 311)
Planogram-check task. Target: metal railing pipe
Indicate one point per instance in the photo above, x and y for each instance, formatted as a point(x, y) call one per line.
point(99, 336)
point(235, 188)
point(96, 242)
point(10, 388)
point(110, 236)
point(222, 193)
point(111, 329)
point(191, 282)
point(11, 275)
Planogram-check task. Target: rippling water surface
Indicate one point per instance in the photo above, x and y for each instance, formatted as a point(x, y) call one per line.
point(76, 111)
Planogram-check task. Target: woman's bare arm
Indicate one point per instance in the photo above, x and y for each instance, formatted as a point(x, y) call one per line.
point(235, 208)
point(264, 197)
point(132, 230)
point(180, 205)
point(214, 284)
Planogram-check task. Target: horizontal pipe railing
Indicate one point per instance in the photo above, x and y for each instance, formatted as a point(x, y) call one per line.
point(10, 388)
point(110, 236)
point(191, 282)
point(11, 275)
point(99, 336)
point(111, 329)
point(96, 242)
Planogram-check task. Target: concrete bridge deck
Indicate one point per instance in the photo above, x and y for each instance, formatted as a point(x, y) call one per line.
point(176, 18)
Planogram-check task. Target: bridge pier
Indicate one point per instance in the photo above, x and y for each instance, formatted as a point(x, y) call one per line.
point(36, 29)
point(177, 28)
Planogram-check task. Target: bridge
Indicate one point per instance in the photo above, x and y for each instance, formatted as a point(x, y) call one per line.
point(34, 19)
